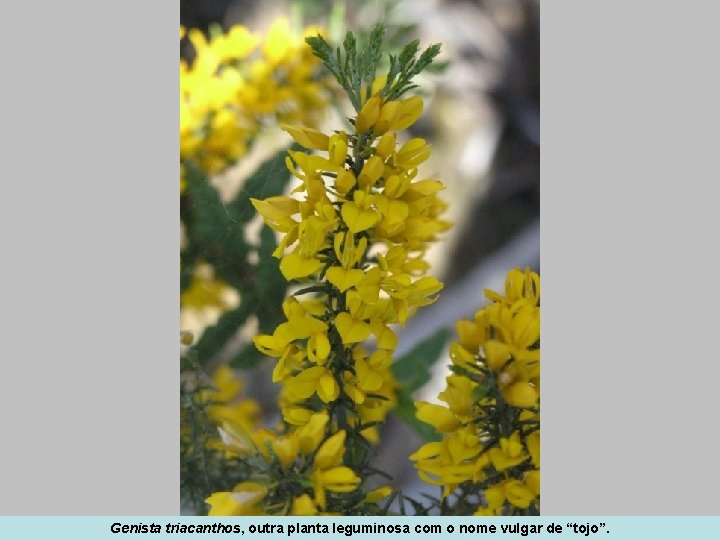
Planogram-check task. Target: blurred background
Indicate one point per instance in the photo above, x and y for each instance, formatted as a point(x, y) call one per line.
point(482, 119)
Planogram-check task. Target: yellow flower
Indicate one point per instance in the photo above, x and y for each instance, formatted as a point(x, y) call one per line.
point(437, 416)
point(312, 432)
point(378, 494)
point(304, 506)
point(286, 449)
point(369, 114)
point(328, 474)
point(500, 356)
point(241, 501)
point(308, 137)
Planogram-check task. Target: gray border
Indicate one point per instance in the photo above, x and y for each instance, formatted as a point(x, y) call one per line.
point(629, 374)
point(90, 234)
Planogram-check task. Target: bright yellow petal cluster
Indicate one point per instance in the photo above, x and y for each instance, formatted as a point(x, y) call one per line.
point(236, 82)
point(490, 417)
point(303, 462)
point(356, 226)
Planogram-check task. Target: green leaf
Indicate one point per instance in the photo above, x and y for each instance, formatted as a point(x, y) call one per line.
point(268, 180)
point(405, 410)
point(412, 371)
point(215, 337)
point(247, 358)
point(212, 234)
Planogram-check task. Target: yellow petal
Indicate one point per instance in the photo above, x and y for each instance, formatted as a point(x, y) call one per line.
point(304, 506)
point(387, 118)
point(385, 145)
point(345, 181)
point(368, 115)
point(286, 449)
point(495, 496)
point(308, 137)
point(371, 171)
point(518, 494)
point(337, 148)
point(409, 111)
point(312, 433)
point(318, 348)
point(441, 418)
point(532, 481)
point(344, 279)
point(378, 494)
point(294, 265)
point(351, 330)
point(358, 219)
point(331, 452)
point(522, 394)
point(327, 389)
point(340, 480)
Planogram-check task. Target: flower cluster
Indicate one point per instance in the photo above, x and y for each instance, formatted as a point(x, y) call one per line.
point(236, 82)
point(297, 473)
point(354, 232)
point(490, 422)
point(363, 225)
point(206, 466)
point(224, 404)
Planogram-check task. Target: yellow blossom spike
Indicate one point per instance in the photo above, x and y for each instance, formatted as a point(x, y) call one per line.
point(495, 496)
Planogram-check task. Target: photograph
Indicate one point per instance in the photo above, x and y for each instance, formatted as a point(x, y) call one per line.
point(359, 258)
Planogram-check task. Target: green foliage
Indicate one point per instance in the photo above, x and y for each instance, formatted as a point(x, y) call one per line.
point(204, 468)
point(404, 67)
point(413, 371)
point(215, 234)
point(355, 65)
